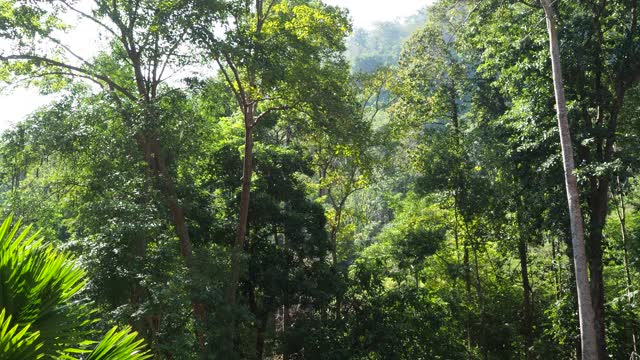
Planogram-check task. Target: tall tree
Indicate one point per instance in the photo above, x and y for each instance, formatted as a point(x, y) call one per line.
point(585, 306)
point(146, 41)
point(273, 55)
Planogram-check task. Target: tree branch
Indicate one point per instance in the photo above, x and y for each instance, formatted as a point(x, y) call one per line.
point(268, 111)
point(236, 74)
point(171, 52)
point(64, 73)
point(92, 18)
point(59, 43)
point(230, 82)
point(74, 69)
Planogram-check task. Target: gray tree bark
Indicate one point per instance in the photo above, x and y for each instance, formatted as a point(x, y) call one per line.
point(585, 308)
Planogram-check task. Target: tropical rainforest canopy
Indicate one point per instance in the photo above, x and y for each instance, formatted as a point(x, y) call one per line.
point(234, 179)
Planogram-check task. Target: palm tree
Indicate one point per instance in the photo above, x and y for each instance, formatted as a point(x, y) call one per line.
point(41, 316)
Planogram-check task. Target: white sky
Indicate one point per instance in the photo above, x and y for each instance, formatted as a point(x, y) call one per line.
point(365, 13)
point(15, 105)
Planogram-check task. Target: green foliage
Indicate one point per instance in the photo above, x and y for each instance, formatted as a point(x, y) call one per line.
point(397, 321)
point(42, 315)
point(406, 205)
point(369, 50)
point(15, 342)
point(36, 282)
point(118, 345)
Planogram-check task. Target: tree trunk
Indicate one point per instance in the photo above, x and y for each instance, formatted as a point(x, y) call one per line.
point(238, 246)
point(527, 292)
point(622, 217)
point(556, 269)
point(286, 323)
point(154, 157)
point(599, 190)
point(467, 288)
point(260, 335)
point(261, 322)
point(482, 336)
point(599, 207)
point(571, 280)
point(247, 172)
point(286, 305)
point(527, 308)
point(334, 237)
point(334, 245)
point(478, 284)
point(585, 306)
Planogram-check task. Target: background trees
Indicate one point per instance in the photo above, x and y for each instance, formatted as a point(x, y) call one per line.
point(287, 199)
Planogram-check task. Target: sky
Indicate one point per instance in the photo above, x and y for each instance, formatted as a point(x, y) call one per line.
point(365, 13)
point(16, 104)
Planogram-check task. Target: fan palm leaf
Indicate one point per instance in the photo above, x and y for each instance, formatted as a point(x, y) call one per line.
point(41, 315)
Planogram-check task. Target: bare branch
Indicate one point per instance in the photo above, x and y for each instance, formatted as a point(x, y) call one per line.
point(171, 52)
point(230, 82)
point(262, 17)
point(236, 74)
point(74, 69)
point(269, 8)
point(68, 49)
point(92, 18)
point(66, 73)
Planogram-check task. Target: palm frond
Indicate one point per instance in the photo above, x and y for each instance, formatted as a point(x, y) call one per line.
point(17, 342)
point(41, 315)
point(37, 287)
point(119, 345)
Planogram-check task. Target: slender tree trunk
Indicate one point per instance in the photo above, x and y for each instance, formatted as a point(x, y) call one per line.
point(286, 319)
point(457, 189)
point(261, 335)
point(334, 245)
point(478, 286)
point(585, 306)
point(334, 259)
point(527, 308)
point(467, 288)
point(261, 322)
point(482, 337)
point(599, 207)
point(527, 292)
point(334, 236)
point(238, 246)
point(571, 280)
point(247, 172)
point(557, 274)
point(599, 191)
point(286, 323)
point(249, 108)
point(622, 217)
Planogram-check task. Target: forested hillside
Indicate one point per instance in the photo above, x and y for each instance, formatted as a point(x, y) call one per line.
point(314, 191)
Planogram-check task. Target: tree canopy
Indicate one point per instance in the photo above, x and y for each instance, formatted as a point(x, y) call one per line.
point(229, 179)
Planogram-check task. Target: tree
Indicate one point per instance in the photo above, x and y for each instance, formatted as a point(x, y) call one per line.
point(272, 55)
point(585, 307)
point(288, 282)
point(593, 70)
point(146, 40)
point(412, 211)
